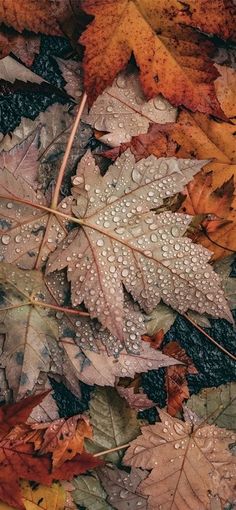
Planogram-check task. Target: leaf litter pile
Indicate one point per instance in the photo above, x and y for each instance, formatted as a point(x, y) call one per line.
point(117, 217)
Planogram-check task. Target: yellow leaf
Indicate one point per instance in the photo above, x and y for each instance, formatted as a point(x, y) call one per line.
point(40, 496)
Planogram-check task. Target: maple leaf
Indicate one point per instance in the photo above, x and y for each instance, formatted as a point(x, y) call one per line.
point(30, 15)
point(177, 66)
point(122, 242)
point(23, 239)
point(216, 405)
point(72, 74)
point(123, 112)
point(226, 91)
point(64, 438)
point(11, 415)
point(175, 378)
point(122, 487)
point(138, 401)
point(186, 462)
point(101, 369)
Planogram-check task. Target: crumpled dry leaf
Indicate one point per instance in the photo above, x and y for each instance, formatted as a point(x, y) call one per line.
point(176, 377)
point(122, 111)
point(138, 401)
point(216, 405)
point(122, 487)
point(114, 423)
point(177, 66)
point(101, 369)
point(64, 438)
point(187, 461)
point(122, 242)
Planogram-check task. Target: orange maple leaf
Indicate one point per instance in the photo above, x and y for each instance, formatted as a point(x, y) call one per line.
point(31, 15)
point(173, 60)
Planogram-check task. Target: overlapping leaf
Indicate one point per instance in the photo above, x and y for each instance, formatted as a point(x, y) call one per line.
point(190, 464)
point(36, 496)
point(172, 60)
point(122, 487)
point(123, 242)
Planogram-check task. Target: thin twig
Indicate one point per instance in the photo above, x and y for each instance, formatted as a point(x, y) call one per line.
point(117, 448)
point(67, 152)
point(209, 337)
point(59, 308)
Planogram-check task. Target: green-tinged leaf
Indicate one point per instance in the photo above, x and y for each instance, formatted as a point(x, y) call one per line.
point(90, 494)
point(114, 424)
point(216, 405)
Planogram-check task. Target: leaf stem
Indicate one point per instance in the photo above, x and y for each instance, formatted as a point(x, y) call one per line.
point(185, 315)
point(117, 448)
point(60, 308)
point(67, 152)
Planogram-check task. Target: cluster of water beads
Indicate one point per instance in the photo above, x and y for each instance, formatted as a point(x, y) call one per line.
point(122, 485)
point(123, 111)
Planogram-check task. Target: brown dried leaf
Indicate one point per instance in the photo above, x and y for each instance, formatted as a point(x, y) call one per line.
point(31, 15)
point(138, 401)
point(122, 111)
point(72, 74)
point(101, 369)
point(24, 47)
point(122, 241)
point(175, 378)
point(190, 464)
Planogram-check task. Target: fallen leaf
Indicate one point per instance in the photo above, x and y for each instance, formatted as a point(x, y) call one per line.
point(39, 496)
point(72, 74)
point(177, 66)
point(11, 415)
point(161, 318)
point(30, 15)
point(176, 377)
point(122, 487)
point(31, 332)
point(224, 268)
point(101, 369)
point(216, 405)
point(226, 91)
point(155, 340)
point(25, 47)
point(122, 111)
point(64, 438)
point(186, 463)
point(114, 423)
point(11, 70)
point(88, 492)
point(138, 401)
point(121, 242)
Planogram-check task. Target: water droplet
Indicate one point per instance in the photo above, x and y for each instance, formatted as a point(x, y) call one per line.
point(100, 242)
point(109, 109)
point(9, 205)
point(136, 176)
point(18, 239)
point(5, 239)
point(159, 103)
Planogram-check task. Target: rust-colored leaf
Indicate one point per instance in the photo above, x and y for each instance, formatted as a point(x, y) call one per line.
point(175, 379)
point(173, 60)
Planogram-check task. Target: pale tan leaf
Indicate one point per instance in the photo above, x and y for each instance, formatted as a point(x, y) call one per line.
point(123, 242)
point(122, 487)
point(22, 227)
point(101, 369)
point(22, 160)
point(189, 464)
point(11, 70)
point(123, 111)
point(216, 405)
point(162, 317)
point(114, 424)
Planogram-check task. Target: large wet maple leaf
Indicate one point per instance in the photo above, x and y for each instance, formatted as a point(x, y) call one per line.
point(173, 60)
point(123, 241)
point(190, 464)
